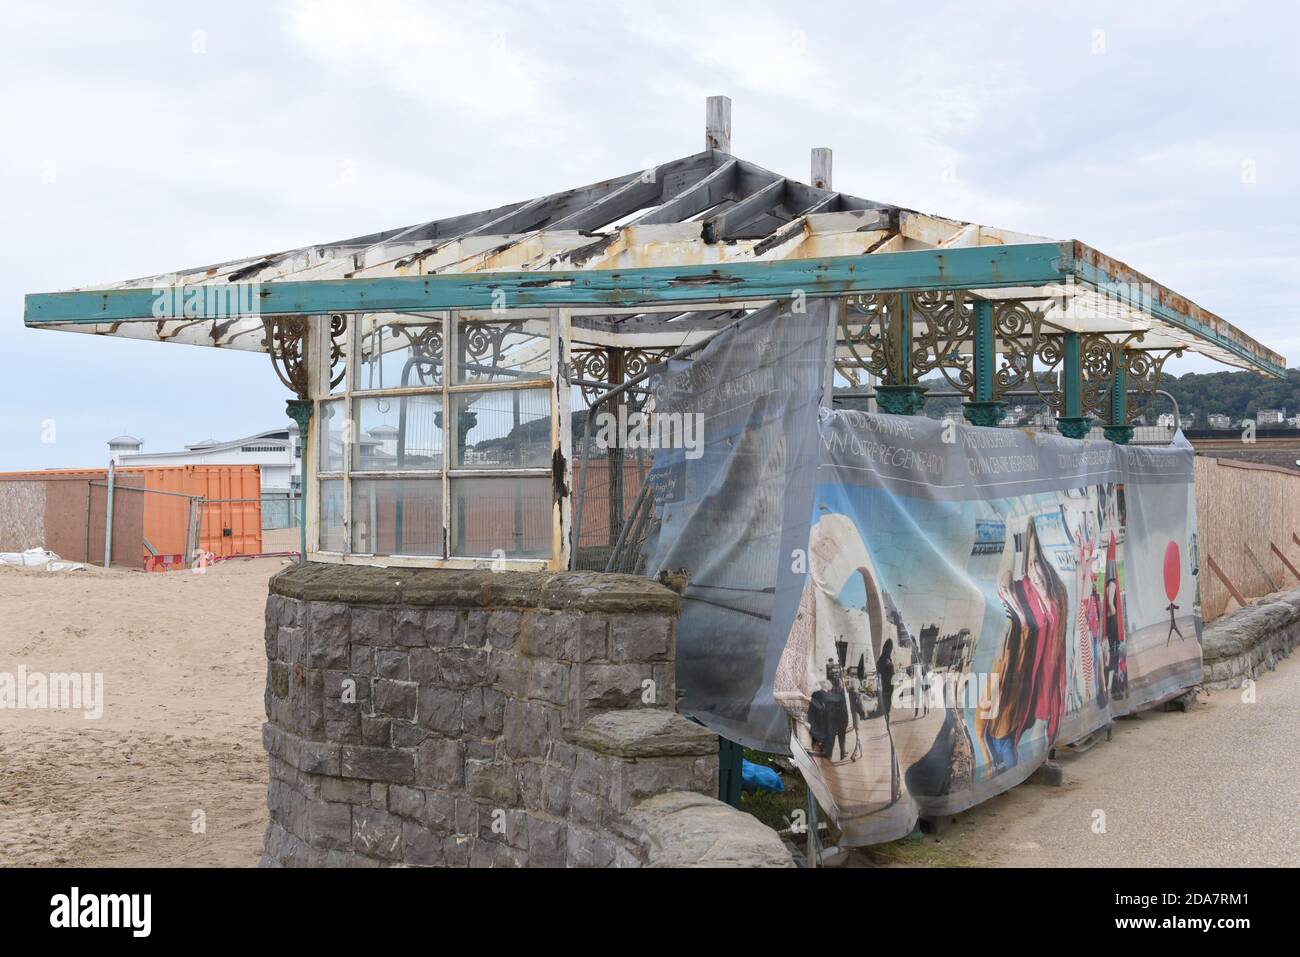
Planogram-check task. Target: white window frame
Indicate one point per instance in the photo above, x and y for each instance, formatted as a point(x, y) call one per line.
point(559, 474)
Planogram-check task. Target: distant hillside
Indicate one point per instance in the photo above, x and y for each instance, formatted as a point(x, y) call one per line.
point(1237, 395)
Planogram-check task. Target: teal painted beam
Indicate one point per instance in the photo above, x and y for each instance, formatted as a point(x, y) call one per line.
point(976, 267)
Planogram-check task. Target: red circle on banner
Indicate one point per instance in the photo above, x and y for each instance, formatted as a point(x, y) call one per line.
point(1173, 570)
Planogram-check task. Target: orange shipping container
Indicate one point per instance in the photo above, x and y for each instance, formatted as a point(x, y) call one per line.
point(229, 522)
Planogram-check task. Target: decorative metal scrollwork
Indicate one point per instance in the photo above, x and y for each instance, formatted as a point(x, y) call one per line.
point(286, 342)
point(480, 340)
point(594, 365)
point(1097, 354)
point(1144, 369)
point(949, 322)
point(875, 345)
point(426, 352)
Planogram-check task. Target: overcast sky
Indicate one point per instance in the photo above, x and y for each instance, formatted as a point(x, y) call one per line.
point(144, 137)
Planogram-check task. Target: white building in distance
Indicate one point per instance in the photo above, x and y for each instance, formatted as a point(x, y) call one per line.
point(275, 451)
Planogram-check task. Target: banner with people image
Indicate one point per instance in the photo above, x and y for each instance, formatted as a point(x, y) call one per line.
point(973, 599)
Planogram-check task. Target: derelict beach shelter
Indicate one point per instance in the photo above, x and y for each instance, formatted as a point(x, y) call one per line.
point(489, 320)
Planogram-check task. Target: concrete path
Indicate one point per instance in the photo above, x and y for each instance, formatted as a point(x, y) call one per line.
point(1216, 786)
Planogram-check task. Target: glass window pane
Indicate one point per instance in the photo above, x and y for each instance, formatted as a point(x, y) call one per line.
point(494, 516)
point(398, 433)
point(331, 515)
point(497, 351)
point(504, 429)
point(330, 431)
point(397, 516)
point(397, 352)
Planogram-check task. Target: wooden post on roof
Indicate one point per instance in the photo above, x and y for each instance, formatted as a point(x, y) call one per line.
point(821, 167)
point(717, 124)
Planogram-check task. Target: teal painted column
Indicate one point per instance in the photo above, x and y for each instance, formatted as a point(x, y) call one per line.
point(730, 756)
point(1117, 429)
point(1074, 424)
point(300, 411)
point(902, 396)
point(983, 409)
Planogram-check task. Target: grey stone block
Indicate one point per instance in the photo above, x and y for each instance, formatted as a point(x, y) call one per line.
point(422, 847)
point(474, 630)
point(395, 698)
point(441, 763)
point(423, 666)
point(612, 686)
point(329, 825)
point(441, 709)
point(644, 733)
point(456, 850)
point(361, 660)
point(408, 628)
point(372, 626)
point(550, 634)
point(463, 667)
point(376, 833)
point(494, 782)
point(549, 681)
point(328, 637)
point(444, 627)
point(484, 712)
point(587, 848)
point(548, 843)
point(376, 731)
point(345, 790)
point(406, 802)
point(502, 630)
point(641, 638)
point(593, 638)
point(319, 757)
point(392, 663)
point(378, 764)
point(407, 734)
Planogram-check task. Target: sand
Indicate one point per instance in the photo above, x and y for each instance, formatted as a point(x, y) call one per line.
point(183, 670)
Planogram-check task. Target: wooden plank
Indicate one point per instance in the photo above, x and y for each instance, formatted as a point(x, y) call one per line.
point(1282, 558)
point(821, 168)
point(1272, 585)
point(972, 268)
point(1232, 589)
point(705, 194)
point(744, 212)
point(717, 123)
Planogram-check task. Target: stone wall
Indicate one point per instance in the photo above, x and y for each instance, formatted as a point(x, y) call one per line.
point(1250, 641)
point(446, 718)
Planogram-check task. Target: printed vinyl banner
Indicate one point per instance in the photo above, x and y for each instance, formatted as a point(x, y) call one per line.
point(973, 598)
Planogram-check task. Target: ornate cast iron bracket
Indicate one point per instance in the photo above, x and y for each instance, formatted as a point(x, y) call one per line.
point(595, 365)
point(286, 342)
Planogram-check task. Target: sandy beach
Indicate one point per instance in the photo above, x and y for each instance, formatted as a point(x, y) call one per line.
point(183, 674)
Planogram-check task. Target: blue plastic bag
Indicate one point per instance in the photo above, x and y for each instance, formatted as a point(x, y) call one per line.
point(759, 777)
